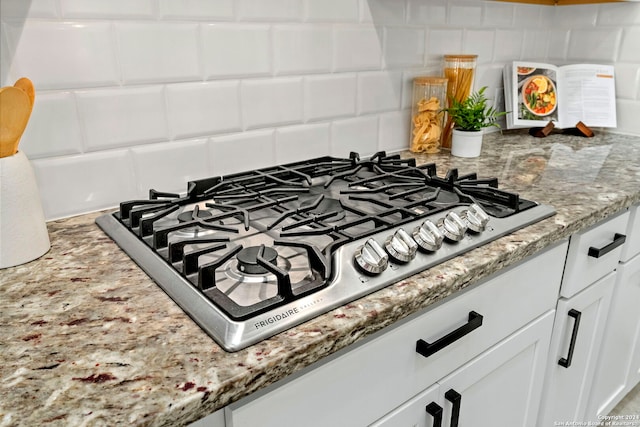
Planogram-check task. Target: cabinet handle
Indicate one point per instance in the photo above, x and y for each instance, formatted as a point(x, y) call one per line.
point(454, 397)
point(435, 411)
point(572, 345)
point(618, 239)
point(427, 349)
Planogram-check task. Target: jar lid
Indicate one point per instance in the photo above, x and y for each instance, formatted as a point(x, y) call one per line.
point(463, 58)
point(423, 80)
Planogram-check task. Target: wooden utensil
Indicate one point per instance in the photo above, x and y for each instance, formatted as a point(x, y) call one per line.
point(15, 109)
point(27, 86)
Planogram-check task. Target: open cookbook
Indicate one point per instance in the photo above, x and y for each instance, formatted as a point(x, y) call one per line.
point(537, 93)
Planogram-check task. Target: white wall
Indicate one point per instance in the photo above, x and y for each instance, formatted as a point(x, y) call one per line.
point(134, 94)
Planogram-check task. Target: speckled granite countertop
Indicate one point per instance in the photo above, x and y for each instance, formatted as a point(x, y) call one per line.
point(86, 338)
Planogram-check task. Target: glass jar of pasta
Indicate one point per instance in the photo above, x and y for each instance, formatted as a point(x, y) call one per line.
point(427, 119)
point(459, 71)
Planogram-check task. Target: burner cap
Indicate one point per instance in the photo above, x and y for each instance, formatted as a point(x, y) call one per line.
point(187, 216)
point(248, 262)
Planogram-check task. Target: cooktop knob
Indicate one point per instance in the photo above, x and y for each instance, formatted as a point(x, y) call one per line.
point(453, 226)
point(371, 257)
point(401, 246)
point(428, 236)
point(476, 218)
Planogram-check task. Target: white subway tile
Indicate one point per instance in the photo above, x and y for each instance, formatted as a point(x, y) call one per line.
point(528, 16)
point(479, 42)
point(557, 45)
point(578, 16)
point(20, 9)
point(383, 11)
point(270, 102)
point(379, 91)
point(627, 81)
point(328, 96)
point(403, 46)
point(429, 12)
point(394, 131)
point(508, 45)
point(630, 46)
point(120, 117)
point(53, 128)
point(242, 152)
point(498, 14)
point(617, 14)
point(302, 48)
point(198, 10)
point(107, 9)
point(357, 48)
point(295, 143)
point(331, 10)
point(270, 10)
point(71, 185)
point(534, 45)
point(59, 55)
point(170, 165)
point(594, 45)
point(443, 41)
point(358, 134)
point(627, 116)
point(236, 50)
point(158, 52)
point(203, 108)
point(462, 14)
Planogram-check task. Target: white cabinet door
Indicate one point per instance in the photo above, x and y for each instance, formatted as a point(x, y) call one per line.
point(575, 346)
point(502, 387)
point(614, 376)
point(499, 388)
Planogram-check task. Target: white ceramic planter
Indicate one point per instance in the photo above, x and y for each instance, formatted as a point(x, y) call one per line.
point(23, 230)
point(466, 143)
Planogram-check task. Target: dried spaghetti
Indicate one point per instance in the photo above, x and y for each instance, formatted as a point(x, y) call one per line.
point(459, 71)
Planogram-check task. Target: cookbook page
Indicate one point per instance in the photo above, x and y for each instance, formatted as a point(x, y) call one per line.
point(535, 95)
point(587, 94)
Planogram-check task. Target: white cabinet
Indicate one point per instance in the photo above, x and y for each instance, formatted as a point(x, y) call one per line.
point(619, 364)
point(501, 387)
point(575, 345)
point(360, 385)
point(581, 317)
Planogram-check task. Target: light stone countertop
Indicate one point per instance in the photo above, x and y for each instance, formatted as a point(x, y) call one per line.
point(87, 338)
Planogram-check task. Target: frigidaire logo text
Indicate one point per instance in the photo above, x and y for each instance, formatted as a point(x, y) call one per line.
point(283, 315)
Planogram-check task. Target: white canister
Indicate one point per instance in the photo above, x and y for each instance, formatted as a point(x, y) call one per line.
point(23, 230)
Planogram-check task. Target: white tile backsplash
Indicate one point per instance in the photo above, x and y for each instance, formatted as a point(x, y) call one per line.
point(158, 52)
point(44, 137)
point(302, 49)
point(233, 50)
point(329, 95)
point(126, 88)
point(61, 55)
point(168, 167)
point(120, 117)
point(203, 108)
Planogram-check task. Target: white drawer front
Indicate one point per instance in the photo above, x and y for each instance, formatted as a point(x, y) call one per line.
point(632, 245)
point(582, 269)
point(365, 383)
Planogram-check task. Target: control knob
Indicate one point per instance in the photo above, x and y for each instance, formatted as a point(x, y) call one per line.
point(476, 218)
point(428, 236)
point(453, 227)
point(401, 246)
point(371, 257)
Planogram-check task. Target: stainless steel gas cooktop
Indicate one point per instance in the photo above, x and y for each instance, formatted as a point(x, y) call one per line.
point(252, 254)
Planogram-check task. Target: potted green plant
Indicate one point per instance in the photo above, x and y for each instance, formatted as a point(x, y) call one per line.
point(470, 117)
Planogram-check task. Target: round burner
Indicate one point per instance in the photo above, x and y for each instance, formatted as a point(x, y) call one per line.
point(187, 216)
point(248, 262)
